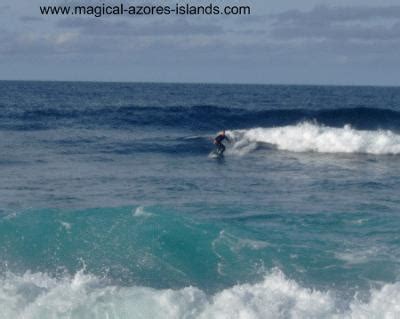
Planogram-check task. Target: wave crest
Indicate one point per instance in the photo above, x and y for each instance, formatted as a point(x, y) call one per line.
point(312, 137)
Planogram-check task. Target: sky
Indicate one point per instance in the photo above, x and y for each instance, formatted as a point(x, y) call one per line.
point(338, 42)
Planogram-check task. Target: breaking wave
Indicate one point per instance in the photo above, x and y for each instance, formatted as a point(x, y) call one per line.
point(36, 295)
point(312, 137)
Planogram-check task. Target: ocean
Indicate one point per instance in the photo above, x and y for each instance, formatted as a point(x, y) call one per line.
point(110, 206)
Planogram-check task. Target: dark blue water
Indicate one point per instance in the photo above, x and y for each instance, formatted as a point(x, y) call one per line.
point(111, 207)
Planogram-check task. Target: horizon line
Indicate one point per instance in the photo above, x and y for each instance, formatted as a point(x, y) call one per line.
point(201, 83)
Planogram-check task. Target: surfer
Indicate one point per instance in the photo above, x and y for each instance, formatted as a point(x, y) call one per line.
point(218, 142)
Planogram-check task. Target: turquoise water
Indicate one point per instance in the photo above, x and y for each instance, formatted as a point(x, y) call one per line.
point(111, 207)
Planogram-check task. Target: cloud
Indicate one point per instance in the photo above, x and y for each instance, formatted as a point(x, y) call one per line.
point(177, 27)
point(324, 38)
point(323, 14)
point(31, 44)
point(30, 19)
point(339, 23)
point(4, 8)
point(339, 32)
point(80, 37)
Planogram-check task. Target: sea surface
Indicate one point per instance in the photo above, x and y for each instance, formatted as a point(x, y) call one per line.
point(110, 206)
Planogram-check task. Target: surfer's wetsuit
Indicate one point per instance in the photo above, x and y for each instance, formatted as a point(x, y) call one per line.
point(218, 142)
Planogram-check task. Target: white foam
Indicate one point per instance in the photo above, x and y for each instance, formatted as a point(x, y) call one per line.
point(141, 212)
point(66, 225)
point(359, 256)
point(34, 296)
point(359, 221)
point(311, 137)
point(384, 303)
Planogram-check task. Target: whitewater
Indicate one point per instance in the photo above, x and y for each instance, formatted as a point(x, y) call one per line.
point(311, 137)
point(84, 296)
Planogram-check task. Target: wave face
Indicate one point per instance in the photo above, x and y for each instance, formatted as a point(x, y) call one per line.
point(311, 137)
point(30, 106)
point(38, 296)
point(198, 117)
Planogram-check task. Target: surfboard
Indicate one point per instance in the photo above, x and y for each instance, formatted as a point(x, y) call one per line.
point(215, 154)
